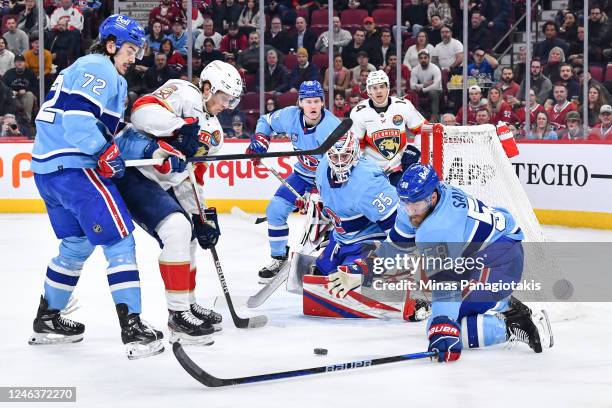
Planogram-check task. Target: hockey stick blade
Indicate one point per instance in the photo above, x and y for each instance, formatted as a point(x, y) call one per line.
point(239, 322)
point(240, 213)
point(264, 293)
point(333, 137)
point(211, 381)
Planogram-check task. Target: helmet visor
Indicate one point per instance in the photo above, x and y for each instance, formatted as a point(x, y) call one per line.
point(225, 99)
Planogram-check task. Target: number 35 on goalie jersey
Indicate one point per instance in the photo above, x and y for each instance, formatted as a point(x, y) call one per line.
point(458, 218)
point(362, 208)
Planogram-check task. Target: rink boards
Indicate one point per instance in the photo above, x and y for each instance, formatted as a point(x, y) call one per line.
point(567, 183)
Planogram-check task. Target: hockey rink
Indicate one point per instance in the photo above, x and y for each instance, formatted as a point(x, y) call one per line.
point(577, 372)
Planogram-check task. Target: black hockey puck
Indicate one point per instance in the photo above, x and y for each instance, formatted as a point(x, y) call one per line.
point(320, 351)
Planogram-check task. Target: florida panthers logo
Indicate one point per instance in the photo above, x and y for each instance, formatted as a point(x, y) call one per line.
point(310, 163)
point(387, 142)
point(335, 220)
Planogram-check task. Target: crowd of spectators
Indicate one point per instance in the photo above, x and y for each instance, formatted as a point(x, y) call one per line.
point(297, 46)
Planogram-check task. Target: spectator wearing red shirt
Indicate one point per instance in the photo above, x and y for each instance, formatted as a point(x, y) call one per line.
point(534, 109)
point(341, 108)
point(500, 110)
point(603, 130)
point(561, 108)
point(507, 85)
point(234, 41)
point(474, 103)
point(166, 13)
point(391, 70)
point(361, 89)
point(483, 116)
point(574, 130)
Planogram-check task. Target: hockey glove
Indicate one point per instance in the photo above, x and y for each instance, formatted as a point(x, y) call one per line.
point(411, 156)
point(187, 137)
point(445, 339)
point(259, 144)
point(174, 161)
point(207, 233)
point(347, 278)
point(110, 163)
point(302, 202)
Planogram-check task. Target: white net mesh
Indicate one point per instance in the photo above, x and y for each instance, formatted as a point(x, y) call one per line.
point(474, 160)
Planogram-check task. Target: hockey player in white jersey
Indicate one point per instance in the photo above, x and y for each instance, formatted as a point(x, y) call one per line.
point(381, 124)
point(181, 121)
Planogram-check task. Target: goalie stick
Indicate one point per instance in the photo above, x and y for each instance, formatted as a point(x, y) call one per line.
point(333, 137)
point(239, 322)
point(210, 380)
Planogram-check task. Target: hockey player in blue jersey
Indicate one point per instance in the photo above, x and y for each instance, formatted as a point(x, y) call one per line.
point(360, 202)
point(73, 160)
point(307, 126)
point(433, 214)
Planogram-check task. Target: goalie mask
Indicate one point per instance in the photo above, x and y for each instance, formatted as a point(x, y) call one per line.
point(343, 156)
point(224, 78)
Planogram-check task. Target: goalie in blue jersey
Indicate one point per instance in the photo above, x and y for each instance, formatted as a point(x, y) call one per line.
point(74, 158)
point(307, 126)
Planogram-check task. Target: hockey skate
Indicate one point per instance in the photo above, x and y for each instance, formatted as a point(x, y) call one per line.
point(188, 329)
point(140, 339)
point(525, 326)
point(268, 272)
point(207, 316)
point(50, 327)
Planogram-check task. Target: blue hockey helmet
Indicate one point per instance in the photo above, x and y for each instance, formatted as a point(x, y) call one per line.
point(124, 29)
point(311, 89)
point(417, 183)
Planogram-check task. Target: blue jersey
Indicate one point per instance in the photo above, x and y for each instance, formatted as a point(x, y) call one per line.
point(81, 113)
point(290, 121)
point(457, 218)
point(362, 208)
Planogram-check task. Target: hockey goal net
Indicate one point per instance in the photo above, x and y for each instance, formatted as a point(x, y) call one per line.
point(473, 159)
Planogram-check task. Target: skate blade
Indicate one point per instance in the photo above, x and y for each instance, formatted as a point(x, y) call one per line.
point(543, 324)
point(187, 340)
point(217, 327)
point(137, 350)
point(265, 281)
point(53, 338)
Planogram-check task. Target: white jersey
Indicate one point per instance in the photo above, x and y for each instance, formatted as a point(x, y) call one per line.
point(382, 132)
point(163, 112)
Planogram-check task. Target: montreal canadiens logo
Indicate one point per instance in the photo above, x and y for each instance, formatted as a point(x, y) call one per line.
point(310, 163)
point(335, 220)
point(397, 120)
point(387, 142)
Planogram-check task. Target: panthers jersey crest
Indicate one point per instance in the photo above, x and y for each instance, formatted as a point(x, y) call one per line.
point(388, 142)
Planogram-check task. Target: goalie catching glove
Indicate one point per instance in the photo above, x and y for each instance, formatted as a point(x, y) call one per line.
point(207, 232)
point(347, 278)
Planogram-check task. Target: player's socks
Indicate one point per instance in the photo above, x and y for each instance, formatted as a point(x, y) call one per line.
point(268, 272)
point(122, 273)
point(50, 327)
point(482, 330)
point(141, 340)
point(188, 329)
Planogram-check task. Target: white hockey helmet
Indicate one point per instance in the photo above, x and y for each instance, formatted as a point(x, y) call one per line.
point(223, 77)
point(377, 77)
point(343, 156)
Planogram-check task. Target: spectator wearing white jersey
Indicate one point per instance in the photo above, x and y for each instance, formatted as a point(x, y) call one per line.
point(69, 12)
point(448, 54)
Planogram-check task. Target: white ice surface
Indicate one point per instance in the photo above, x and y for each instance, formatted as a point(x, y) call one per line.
point(577, 372)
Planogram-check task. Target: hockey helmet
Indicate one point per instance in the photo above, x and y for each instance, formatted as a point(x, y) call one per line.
point(376, 77)
point(223, 77)
point(311, 89)
point(124, 29)
point(343, 156)
point(417, 183)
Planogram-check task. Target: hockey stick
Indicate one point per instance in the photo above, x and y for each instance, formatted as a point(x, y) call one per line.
point(240, 213)
point(239, 322)
point(333, 137)
point(211, 381)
